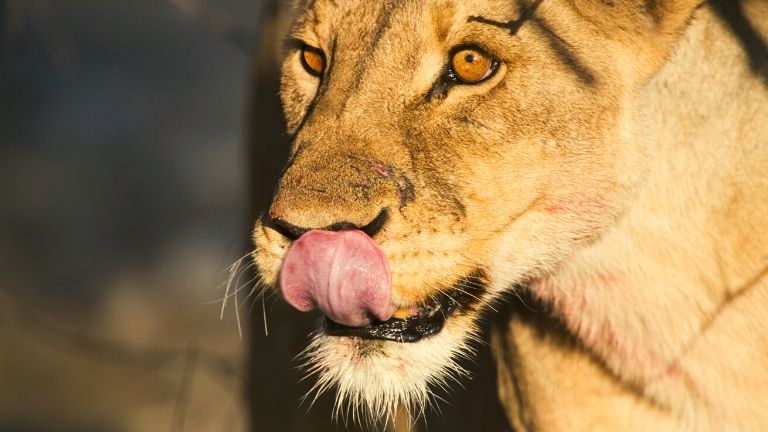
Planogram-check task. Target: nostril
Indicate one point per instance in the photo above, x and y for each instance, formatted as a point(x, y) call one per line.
point(371, 228)
point(377, 224)
point(293, 232)
point(286, 229)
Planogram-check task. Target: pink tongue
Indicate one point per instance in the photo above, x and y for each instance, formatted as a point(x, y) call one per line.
point(345, 274)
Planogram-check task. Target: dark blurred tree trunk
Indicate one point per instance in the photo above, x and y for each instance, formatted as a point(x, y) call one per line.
point(274, 390)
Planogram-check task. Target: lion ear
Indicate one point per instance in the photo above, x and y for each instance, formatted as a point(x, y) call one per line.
point(670, 16)
point(664, 16)
point(649, 29)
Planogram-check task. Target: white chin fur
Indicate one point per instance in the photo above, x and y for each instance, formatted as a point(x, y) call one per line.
point(373, 379)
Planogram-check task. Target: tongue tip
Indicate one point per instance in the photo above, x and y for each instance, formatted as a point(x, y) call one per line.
point(344, 273)
point(386, 314)
point(364, 319)
point(363, 316)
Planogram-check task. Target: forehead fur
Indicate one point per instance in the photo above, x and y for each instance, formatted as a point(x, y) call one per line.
point(441, 16)
point(629, 22)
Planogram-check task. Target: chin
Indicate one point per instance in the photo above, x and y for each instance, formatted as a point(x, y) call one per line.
point(400, 363)
point(374, 376)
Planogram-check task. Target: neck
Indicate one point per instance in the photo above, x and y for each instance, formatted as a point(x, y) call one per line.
point(694, 243)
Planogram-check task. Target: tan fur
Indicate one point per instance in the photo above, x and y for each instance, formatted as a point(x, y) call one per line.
point(616, 165)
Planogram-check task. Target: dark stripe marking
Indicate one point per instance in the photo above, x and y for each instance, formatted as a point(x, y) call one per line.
point(559, 45)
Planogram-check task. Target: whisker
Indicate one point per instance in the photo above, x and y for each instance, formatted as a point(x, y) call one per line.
point(554, 279)
point(237, 318)
point(254, 289)
point(264, 309)
point(240, 286)
point(232, 273)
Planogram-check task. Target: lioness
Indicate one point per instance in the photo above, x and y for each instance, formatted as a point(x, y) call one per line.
point(608, 159)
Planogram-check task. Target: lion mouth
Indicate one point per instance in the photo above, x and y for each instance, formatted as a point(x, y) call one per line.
point(429, 319)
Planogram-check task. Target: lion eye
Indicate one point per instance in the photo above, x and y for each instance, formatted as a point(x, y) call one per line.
point(313, 60)
point(471, 66)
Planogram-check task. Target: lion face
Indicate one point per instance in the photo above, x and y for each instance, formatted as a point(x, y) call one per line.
point(474, 145)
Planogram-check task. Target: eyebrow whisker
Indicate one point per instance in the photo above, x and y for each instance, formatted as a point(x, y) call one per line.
point(514, 25)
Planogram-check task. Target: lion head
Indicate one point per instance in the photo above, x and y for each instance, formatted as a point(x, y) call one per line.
point(443, 152)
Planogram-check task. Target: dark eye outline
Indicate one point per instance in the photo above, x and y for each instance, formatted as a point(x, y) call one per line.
point(308, 48)
point(454, 78)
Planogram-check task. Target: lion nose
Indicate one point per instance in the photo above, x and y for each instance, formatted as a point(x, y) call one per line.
point(292, 231)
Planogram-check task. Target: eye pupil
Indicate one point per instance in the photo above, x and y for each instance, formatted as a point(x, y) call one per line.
point(471, 66)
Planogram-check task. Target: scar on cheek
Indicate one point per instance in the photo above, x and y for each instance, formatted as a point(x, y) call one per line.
point(405, 188)
point(585, 206)
point(379, 168)
point(555, 209)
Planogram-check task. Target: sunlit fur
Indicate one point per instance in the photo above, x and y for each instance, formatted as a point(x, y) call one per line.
point(375, 380)
point(615, 165)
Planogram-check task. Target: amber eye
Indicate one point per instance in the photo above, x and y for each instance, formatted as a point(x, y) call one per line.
point(313, 60)
point(471, 66)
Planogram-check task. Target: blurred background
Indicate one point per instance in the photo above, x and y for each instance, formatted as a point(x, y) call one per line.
point(138, 141)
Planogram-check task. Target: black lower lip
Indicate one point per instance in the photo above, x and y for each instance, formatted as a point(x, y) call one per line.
point(463, 295)
point(397, 330)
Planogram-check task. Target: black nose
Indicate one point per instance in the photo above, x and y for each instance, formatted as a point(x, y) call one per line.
point(293, 232)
